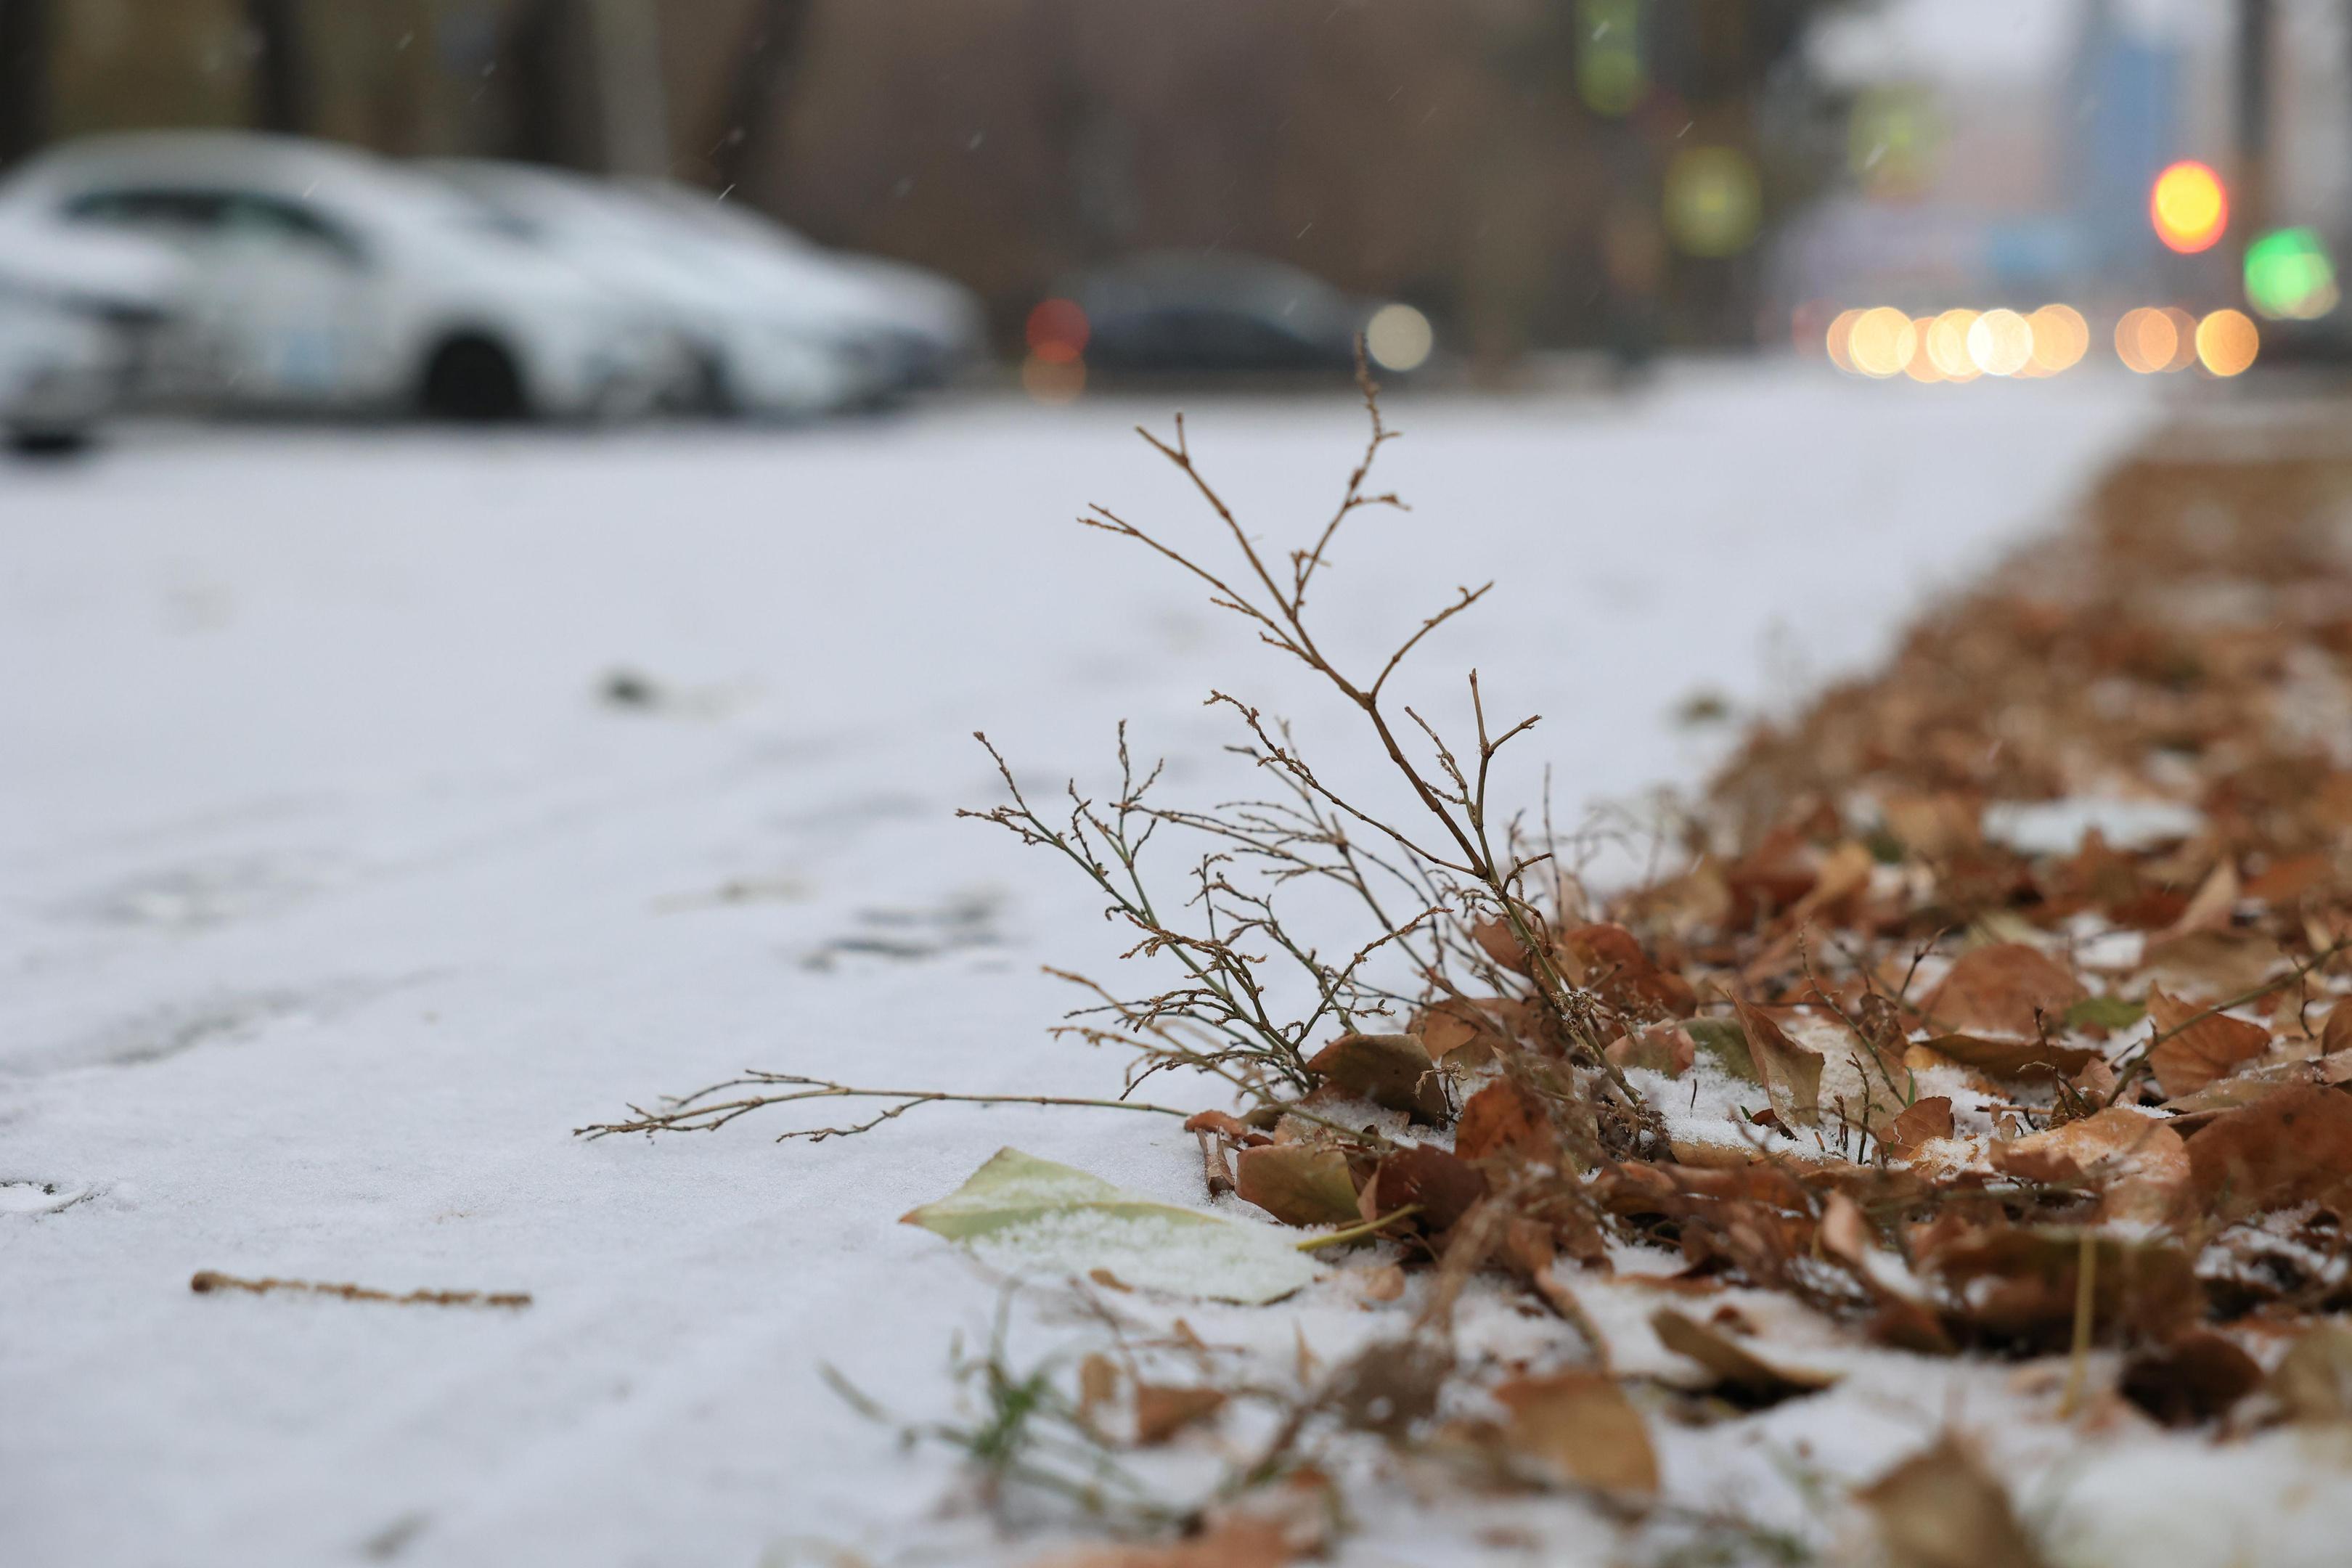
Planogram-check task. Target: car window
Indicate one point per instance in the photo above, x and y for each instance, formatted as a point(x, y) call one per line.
point(191, 216)
point(273, 220)
point(181, 214)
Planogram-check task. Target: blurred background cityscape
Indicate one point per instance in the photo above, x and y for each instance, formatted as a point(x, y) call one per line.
point(801, 206)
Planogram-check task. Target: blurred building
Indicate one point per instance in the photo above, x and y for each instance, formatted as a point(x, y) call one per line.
point(1529, 171)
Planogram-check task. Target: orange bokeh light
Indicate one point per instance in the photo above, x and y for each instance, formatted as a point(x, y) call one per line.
point(2189, 208)
point(1056, 330)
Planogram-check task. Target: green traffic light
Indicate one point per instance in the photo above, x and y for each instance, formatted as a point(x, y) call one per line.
point(2289, 276)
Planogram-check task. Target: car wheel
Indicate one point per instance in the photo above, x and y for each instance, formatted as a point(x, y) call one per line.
point(47, 440)
point(472, 380)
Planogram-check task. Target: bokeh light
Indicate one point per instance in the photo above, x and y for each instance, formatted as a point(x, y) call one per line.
point(2184, 338)
point(1838, 340)
point(1948, 344)
point(1893, 140)
point(1053, 380)
point(2290, 276)
point(2060, 338)
point(2227, 342)
point(2145, 341)
point(2189, 206)
point(2000, 343)
point(1883, 342)
point(1056, 330)
point(1399, 336)
point(1610, 77)
point(1921, 366)
point(1714, 200)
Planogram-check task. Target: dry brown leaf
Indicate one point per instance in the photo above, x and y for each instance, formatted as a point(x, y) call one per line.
point(1926, 1118)
point(1495, 939)
point(2215, 901)
point(2214, 963)
point(1733, 1370)
point(1392, 1071)
point(1608, 961)
point(2191, 1380)
point(2007, 988)
point(2011, 1058)
point(2196, 1053)
point(1097, 1384)
point(1660, 1048)
point(1505, 1116)
point(1443, 1187)
point(2139, 1164)
point(1578, 1430)
point(1163, 1411)
point(1298, 1183)
point(2289, 1147)
point(1470, 1030)
point(2017, 1286)
point(1939, 1509)
point(1792, 1075)
point(1236, 1543)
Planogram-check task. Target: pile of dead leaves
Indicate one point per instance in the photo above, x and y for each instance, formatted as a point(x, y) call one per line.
point(2003, 1006)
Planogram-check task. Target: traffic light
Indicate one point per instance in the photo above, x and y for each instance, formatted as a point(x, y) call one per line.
point(2189, 208)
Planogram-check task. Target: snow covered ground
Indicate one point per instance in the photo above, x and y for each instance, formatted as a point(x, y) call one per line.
point(333, 895)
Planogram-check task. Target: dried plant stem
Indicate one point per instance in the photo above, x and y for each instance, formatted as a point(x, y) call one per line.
point(207, 1280)
point(1356, 1232)
point(698, 1112)
point(2086, 1298)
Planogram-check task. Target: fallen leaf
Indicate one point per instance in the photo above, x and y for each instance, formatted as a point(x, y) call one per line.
point(2139, 1164)
point(2291, 1146)
point(1660, 1048)
point(1097, 1384)
point(1792, 1076)
point(1748, 1379)
point(2190, 1379)
point(2016, 1285)
point(1939, 1509)
point(1236, 1543)
point(2200, 1051)
point(1298, 1183)
point(1472, 1029)
point(1161, 1411)
point(2108, 1014)
point(1024, 1215)
point(1391, 1070)
point(1608, 961)
point(2214, 963)
point(1506, 1116)
point(1928, 1117)
point(1443, 1187)
point(1495, 938)
point(1578, 1430)
point(2007, 988)
point(2011, 1058)
point(1725, 1043)
point(2215, 901)
point(1390, 1385)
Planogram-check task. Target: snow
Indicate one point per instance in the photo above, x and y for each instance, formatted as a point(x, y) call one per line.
point(332, 897)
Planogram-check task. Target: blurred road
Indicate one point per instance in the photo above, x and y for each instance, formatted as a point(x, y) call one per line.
point(335, 888)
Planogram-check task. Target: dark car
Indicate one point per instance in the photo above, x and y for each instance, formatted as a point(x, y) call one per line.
point(1191, 312)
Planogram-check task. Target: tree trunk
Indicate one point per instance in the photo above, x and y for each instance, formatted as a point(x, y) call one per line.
point(23, 77)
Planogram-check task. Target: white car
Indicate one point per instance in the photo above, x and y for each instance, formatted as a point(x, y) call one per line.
point(75, 311)
point(325, 279)
point(743, 348)
point(930, 326)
